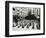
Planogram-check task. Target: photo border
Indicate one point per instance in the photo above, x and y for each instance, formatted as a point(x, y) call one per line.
point(7, 18)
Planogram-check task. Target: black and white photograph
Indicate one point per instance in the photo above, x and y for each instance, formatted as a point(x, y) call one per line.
point(24, 18)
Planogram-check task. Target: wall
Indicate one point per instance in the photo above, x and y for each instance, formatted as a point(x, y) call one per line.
point(2, 19)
